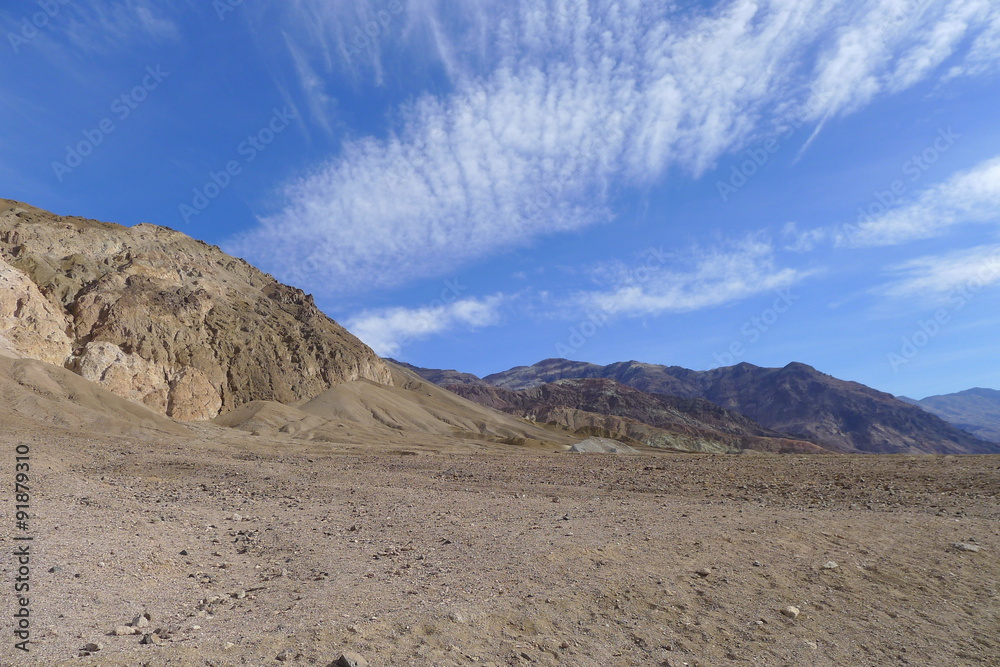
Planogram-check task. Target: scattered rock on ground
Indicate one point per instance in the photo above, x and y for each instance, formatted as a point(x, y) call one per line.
point(791, 612)
point(350, 660)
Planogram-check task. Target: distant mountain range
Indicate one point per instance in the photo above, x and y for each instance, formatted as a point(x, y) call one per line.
point(610, 409)
point(974, 410)
point(796, 402)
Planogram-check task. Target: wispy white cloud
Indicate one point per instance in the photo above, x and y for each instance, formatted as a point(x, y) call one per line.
point(888, 46)
point(984, 54)
point(107, 25)
point(969, 197)
point(387, 330)
point(803, 240)
point(707, 278)
point(555, 105)
point(325, 41)
point(321, 104)
point(960, 273)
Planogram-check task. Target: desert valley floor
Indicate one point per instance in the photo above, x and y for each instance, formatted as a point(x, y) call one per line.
point(251, 550)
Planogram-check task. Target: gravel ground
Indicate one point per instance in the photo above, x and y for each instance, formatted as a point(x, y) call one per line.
point(243, 550)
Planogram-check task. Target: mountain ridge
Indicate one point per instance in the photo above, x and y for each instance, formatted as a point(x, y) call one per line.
point(796, 400)
point(605, 408)
point(976, 410)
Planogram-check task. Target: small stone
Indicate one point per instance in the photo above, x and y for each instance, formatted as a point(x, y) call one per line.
point(228, 646)
point(564, 645)
point(92, 647)
point(124, 631)
point(457, 617)
point(283, 656)
point(965, 546)
point(184, 552)
point(349, 660)
point(240, 595)
point(703, 572)
point(830, 565)
point(237, 518)
point(55, 568)
point(141, 621)
point(791, 612)
point(757, 563)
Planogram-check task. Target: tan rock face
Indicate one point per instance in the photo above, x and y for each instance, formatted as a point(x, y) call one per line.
point(165, 320)
point(30, 326)
point(127, 375)
point(193, 397)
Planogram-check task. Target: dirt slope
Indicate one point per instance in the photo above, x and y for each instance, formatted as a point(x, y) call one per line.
point(411, 408)
point(34, 394)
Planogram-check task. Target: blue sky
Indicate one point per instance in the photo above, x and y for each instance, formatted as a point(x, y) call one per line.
point(482, 185)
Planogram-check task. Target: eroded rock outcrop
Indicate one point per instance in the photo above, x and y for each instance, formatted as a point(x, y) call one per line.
point(30, 326)
point(162, 319)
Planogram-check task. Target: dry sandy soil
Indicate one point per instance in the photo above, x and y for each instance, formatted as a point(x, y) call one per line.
point(242, 548)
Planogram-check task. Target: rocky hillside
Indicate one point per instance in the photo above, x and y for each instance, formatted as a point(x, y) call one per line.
point(976, 411)
point(797, 400)
point(610, 409)
point(162, 319)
